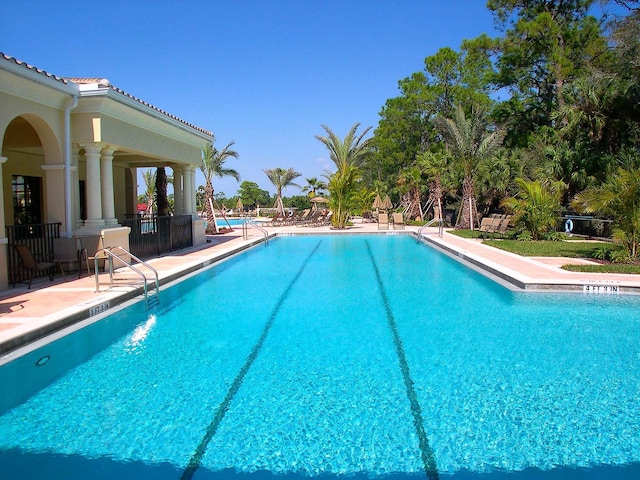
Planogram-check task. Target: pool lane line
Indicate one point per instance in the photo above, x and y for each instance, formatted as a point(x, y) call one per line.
point(196, 458)
point(428, 458)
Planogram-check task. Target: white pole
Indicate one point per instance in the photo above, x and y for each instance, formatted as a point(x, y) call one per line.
point(213, 213)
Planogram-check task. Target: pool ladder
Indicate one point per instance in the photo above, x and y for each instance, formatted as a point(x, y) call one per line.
point(429, 223)
point(125, 257)
point(245, 229)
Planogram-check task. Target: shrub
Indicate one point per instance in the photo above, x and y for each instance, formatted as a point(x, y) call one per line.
point(524, 236)
point(611, 253)
point(555, 236)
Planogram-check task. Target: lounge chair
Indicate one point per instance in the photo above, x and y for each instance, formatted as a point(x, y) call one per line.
point(34, 264)
point(67, 252)
point(383, 221)
point(398, 221)
point(277, 221)
point(489, 225)
point(320, 219)
point(311, 219)
point(302, 217)
point(504, 225)
point(89, 248)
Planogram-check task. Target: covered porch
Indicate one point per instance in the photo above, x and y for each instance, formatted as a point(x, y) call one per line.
point(71, 149)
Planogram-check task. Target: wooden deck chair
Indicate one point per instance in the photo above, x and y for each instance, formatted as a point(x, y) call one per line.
point(35, 264)
point(383, 221)
point(398, 221)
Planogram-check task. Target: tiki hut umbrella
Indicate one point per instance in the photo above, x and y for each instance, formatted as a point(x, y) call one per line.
point(377, 203)
point(386, 203)
point(317, 200)
point(239, 205)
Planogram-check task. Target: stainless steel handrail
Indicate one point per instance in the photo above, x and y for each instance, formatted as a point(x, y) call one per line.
point(110, 255)
point(245, 230)
point(429, 223)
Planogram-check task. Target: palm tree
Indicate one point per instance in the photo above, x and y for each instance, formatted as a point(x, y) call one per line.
point(347, 155)
point(343, 189)
point(281, 178)
point(213, 165)
point(149, 177)
point(314, 187)
point(536, 206)
point(618, 197)
point(410, 181)
point(348, 152)
point(469, 141)
point(435, 165)
point(162, 200)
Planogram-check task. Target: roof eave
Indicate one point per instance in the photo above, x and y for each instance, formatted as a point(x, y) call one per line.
point(113, 93)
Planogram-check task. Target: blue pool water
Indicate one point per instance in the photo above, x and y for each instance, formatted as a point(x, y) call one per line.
point(331, 357)
point(234, 222)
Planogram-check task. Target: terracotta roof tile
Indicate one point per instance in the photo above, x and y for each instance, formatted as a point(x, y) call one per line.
point(102, 82)
point(34, 69)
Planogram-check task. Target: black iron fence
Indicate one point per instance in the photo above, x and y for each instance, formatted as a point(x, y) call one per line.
point(153, 236)
point(39, 239)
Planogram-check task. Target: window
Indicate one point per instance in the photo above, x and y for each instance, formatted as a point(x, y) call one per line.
point(26, 200)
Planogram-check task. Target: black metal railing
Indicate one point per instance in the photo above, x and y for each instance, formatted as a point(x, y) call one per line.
point(39, 239)
point(153, 236)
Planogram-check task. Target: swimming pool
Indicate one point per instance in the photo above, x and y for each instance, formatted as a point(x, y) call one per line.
point(234, 222)
point(321, 356)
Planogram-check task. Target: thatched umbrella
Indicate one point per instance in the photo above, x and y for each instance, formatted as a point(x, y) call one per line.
point(377, 203)
point(317, 200)
point(239, 205)
point(386, 203)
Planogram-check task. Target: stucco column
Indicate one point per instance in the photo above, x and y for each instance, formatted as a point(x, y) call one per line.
point(4, 274)
point(93, 186)
point(54, 191)
point(178, 199)
point(75, 189)
point(189, 193)
point(188, 187)
point(192, 191)
point(106, 181)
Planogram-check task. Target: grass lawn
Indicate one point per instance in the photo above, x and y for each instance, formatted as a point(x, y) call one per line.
point(611, 268)
point(543, 248)
point(571, 249)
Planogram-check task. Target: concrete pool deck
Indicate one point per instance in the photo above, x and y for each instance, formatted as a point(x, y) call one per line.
point(28, 315)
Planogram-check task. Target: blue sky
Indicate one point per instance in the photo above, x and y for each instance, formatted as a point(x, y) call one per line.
point(266, 74)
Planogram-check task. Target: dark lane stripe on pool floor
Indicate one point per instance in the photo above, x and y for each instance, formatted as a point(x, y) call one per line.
point(196, 458)
point(428, 459)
